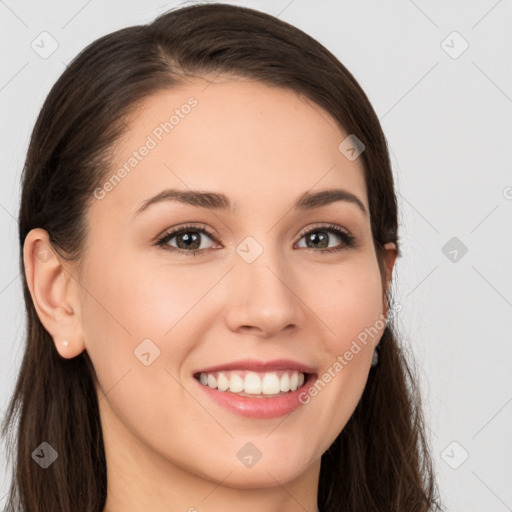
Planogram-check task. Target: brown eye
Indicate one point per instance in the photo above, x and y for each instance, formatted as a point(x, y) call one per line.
point(188, 240)
point(317, 239)
point(322, 238)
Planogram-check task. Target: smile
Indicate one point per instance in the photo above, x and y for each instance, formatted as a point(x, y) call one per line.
point(250, 383)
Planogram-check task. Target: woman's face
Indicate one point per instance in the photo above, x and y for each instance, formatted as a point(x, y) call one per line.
point(269, 282)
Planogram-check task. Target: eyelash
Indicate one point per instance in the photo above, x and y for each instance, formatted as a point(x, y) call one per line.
point(348, 240)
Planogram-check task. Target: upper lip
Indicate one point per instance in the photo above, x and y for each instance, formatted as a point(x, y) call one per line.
point(260, 366)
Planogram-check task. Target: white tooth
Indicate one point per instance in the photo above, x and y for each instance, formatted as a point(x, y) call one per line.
point(212, 381)
point(252, 383)
point(236, 383)
point(270, 384)
point(294, 380)
point(284, 384)
point(222, 382)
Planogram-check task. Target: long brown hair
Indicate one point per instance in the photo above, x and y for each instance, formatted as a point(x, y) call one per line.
point(380, 461)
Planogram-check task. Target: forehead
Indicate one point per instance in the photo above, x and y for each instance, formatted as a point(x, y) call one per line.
point(252, 141)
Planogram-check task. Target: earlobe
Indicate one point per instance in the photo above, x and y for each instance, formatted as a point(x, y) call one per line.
point(391, 258)
point(53, 293)
point(391, 255)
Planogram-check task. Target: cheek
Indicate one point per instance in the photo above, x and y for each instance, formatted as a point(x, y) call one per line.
point(144, 299)
point(352, 310)
point(347, 302)
point(131, 301)
point(350, 305)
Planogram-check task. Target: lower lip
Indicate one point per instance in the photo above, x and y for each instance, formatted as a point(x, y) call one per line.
point(261, 408)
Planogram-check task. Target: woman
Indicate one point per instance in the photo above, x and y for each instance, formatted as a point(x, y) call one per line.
point(261, 374)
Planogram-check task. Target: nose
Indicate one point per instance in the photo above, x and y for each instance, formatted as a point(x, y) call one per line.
point(263, 297)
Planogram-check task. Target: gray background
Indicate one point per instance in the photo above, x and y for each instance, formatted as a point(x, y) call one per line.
point(447, 115)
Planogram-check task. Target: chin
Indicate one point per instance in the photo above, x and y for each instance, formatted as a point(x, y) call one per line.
point(278, 468)
point(261, 477)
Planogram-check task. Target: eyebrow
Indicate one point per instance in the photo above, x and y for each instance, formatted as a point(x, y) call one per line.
point(218, 201)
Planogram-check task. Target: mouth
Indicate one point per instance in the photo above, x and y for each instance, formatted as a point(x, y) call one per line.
point(255, 384)
point(257, 389)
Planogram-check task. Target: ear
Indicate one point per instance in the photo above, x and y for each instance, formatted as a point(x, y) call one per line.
point(389, 263)
point(54, 293)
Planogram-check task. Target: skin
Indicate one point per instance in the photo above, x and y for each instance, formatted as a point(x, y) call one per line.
point(168, 447)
